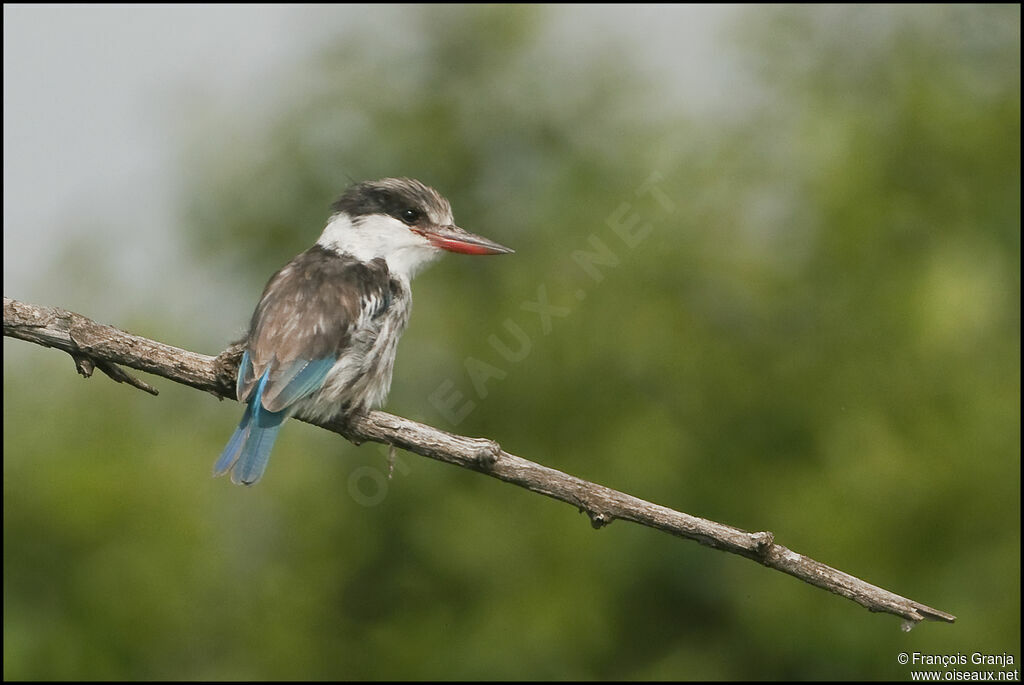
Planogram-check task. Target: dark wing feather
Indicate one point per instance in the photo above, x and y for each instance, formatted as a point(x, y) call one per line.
point(305, 320)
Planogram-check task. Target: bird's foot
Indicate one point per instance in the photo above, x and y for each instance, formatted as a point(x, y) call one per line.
point(488, 453)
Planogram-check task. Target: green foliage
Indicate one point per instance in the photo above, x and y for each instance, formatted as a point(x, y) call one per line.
point(818, 334)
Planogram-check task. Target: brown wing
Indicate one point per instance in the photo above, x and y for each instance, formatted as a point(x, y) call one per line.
point(305, 320)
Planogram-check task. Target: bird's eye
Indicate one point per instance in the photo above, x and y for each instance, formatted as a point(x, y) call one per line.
point(410, 216)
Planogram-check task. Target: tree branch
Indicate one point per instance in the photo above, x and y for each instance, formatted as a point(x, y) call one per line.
point(93, 344)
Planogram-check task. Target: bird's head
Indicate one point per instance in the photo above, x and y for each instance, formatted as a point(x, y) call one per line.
point(402, 221)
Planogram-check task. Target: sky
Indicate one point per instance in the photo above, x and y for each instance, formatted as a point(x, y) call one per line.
point(95, 97)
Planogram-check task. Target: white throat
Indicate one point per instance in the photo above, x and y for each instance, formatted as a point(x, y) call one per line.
point(380, 236)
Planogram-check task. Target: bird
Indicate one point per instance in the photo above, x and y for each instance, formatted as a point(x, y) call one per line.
point(322, 339)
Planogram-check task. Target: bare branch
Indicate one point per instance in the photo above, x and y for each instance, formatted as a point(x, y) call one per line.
point(92, 344)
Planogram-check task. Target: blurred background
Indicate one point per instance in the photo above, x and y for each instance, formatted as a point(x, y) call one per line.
point(804, 317)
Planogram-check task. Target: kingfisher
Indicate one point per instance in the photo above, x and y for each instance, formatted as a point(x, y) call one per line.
point(322, 340)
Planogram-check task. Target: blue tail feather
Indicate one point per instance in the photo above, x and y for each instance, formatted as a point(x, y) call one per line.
point(248, 451)
point(256, 451)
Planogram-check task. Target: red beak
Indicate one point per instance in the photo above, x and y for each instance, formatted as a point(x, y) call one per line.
point(454, 239)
